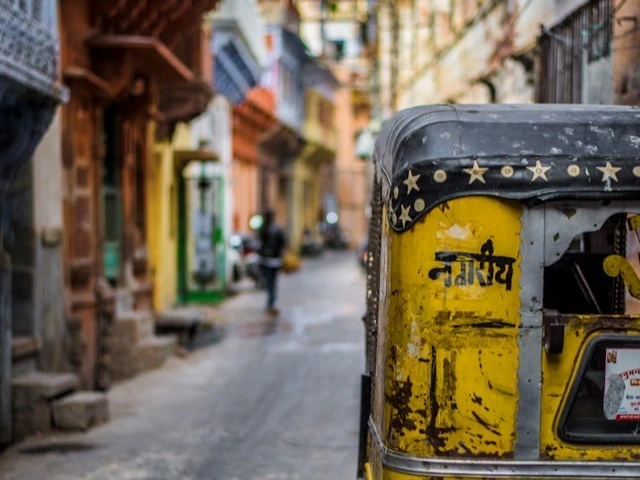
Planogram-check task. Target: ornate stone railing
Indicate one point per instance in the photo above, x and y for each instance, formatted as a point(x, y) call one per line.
point(29, 46)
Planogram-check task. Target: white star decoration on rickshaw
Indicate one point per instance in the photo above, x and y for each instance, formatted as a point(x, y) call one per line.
point(411, 182)
point(404, 216)
point(539, 171)
point(476, 173)
point(609, 171)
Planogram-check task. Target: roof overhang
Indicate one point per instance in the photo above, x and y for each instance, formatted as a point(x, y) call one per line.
point(149, 53)
point(83, 78)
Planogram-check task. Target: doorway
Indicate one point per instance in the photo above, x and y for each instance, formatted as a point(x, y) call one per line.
point(201, 235)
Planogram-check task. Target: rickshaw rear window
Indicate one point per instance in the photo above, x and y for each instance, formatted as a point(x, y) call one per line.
point(604, 402)
point(577, 283)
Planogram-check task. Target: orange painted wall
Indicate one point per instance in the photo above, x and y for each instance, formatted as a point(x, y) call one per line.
point(349, 170)
point(251, 120)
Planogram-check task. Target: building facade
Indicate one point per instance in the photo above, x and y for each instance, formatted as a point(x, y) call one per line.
point(589, 55)
point(240, 56)
point(336, 32)
point(30, 91)
point(286, 57)
point(134, 74)
point(313, 188)
point(433, 51)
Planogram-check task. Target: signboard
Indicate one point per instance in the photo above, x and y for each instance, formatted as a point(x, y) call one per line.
point(622, 384)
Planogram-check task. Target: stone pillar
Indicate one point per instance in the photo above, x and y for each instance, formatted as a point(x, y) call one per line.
point(48, 280)
point(5, 348)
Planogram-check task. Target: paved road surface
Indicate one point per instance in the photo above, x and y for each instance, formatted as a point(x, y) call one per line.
point(271, 401)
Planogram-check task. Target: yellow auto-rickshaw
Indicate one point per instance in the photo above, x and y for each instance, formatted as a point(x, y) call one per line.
point(503, 326)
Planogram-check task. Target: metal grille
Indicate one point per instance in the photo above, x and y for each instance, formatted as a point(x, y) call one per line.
point(373, 275)
point(586, 34)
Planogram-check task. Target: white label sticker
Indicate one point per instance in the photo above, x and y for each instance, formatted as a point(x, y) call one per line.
point(622, 384)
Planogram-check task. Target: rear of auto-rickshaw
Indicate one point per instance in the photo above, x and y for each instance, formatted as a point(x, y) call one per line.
point(503, 335)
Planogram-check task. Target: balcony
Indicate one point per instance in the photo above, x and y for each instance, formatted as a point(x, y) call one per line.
point(319, 126)
point(238, 47)
point(29, 88)
point(244, 15)
point(29, 46)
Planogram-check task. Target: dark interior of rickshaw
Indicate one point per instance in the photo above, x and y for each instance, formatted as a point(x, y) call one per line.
point(577, 284)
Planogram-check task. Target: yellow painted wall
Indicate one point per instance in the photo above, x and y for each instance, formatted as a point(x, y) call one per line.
point(307, 197)
point(162, 222)
point(307, 179)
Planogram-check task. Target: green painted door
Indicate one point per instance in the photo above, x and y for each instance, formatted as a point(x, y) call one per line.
point(201, 236)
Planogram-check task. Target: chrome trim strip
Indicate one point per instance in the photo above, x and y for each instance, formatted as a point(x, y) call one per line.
point(527, 442)
point(483, 468)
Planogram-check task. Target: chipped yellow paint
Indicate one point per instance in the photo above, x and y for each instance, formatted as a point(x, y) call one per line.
point(559, 372)
point(450, 356)
point(615, 265)
point(368, 475)
point(634, 222)
point(446, 377)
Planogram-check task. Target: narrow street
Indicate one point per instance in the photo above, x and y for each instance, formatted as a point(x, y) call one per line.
point(269, 401)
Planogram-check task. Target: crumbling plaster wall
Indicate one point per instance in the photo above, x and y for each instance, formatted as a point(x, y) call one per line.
point(486, 54)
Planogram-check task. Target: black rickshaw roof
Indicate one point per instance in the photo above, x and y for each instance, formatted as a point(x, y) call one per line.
point(428, 155)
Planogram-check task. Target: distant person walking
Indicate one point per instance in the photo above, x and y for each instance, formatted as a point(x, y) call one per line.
point(272, 246)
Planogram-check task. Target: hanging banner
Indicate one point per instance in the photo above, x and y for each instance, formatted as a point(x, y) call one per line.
point(622, 384)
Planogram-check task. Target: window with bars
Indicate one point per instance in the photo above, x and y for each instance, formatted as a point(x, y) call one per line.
point(562, 48)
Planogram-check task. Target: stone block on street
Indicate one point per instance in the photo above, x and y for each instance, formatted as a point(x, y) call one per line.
point(37, 385)
point(154, 351)
point(80, 411)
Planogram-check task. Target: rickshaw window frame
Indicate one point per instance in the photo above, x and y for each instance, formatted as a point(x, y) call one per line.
point(567, 406)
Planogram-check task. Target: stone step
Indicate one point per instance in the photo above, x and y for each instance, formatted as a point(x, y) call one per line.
point(124, 301)
point(133, 327)
point(24, 346)
point(154, 351)
point(80, 411)
point(32, 394)
point(36, 385)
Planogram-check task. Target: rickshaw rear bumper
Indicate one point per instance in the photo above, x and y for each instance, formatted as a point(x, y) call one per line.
point(438, 467)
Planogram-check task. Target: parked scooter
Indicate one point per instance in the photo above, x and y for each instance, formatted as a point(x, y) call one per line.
point(252, 260)
point(247, 247)
point(311, 246)
point(334, 237)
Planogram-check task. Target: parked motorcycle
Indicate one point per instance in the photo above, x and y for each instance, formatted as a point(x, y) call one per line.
point(247, 246)
point(333, 236)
